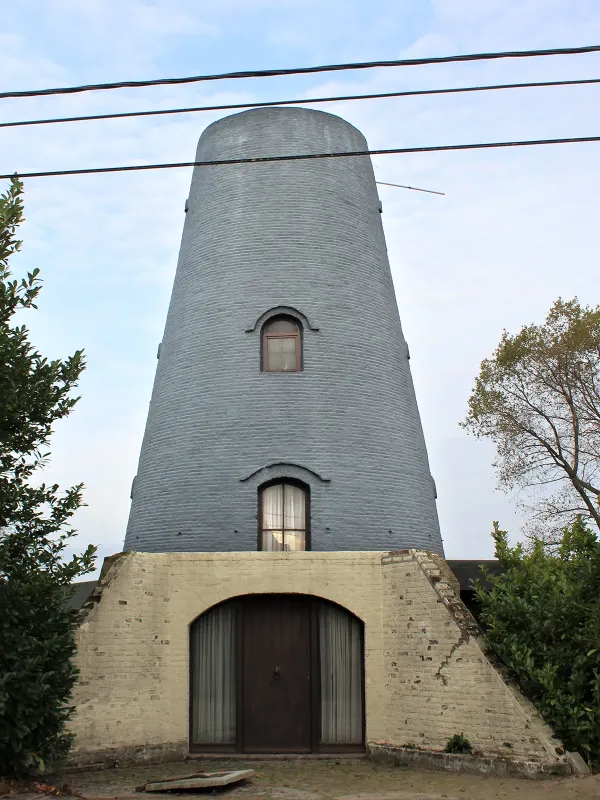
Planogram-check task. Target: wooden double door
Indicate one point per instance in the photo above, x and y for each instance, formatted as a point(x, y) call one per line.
point(276, 674)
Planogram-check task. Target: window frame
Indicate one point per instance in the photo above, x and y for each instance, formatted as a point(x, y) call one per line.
point(265, 336)
point(307, 532)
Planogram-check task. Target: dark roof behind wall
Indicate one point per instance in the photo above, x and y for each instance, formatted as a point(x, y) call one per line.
point(468, 571)
point(82, 590)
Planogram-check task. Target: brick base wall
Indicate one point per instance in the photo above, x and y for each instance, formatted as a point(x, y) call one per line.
point(426, 674)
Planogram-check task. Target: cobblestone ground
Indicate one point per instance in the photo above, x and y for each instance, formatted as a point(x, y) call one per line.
point(347, 779)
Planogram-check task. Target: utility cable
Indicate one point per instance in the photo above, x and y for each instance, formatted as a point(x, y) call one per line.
point(413, 188)
point(302, 101)
point(270, 73)
point(302, 157)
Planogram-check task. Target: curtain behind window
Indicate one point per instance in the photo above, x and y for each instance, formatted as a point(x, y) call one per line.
point(283, 517)
point(213, 687)
point(341, 676)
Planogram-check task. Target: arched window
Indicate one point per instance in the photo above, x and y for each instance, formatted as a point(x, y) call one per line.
point(283, 517)
point(282, 345)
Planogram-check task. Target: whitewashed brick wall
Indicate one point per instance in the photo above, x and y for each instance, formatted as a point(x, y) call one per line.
point(426, 674)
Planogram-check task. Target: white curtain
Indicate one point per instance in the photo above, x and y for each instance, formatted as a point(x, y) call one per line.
point(282, 353)
point(293, 508)
point(341, 676)
point(272, 509)
point(212, 652)
point(284, 517)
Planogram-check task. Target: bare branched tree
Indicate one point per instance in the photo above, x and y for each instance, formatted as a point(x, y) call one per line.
point(538, 400)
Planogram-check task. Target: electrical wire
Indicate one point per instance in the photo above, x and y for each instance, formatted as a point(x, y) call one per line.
point(303, 101)
point(270, 73)
point(413, 188)
point(302, 157)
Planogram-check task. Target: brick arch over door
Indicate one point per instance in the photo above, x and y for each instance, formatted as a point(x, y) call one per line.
point(277, 673)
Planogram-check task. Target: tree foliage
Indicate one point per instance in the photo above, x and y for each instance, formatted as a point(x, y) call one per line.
point(36, 627)
point(538, 400)
point(542, 618)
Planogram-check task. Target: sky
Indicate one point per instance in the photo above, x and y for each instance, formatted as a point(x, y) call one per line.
point(516, 229)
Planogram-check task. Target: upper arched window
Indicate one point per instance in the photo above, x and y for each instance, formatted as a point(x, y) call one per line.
point(282, 345)
point(283, 517)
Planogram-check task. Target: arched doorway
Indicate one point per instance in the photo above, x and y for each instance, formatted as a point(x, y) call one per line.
point(276, 673)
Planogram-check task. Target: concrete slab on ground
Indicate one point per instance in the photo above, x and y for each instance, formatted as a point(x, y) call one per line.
point(198, 781)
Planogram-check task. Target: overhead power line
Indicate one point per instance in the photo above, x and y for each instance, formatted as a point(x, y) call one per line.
point(302, 157)
point(413, 188)
point(270, 73)
point(304, 101)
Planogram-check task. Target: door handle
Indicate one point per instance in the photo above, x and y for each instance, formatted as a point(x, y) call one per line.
point(277, 674)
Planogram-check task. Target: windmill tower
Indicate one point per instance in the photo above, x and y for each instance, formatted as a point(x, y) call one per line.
point(283, 588)
point(283, 414)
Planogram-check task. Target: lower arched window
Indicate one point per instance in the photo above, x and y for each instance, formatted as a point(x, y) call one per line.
point(283, 517)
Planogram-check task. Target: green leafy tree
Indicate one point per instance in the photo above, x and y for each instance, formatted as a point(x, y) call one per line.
point(538, 400)
point(36, 627)
point(541, 616)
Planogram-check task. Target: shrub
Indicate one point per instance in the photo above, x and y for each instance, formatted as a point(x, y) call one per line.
point(541, 616)
point(458, 744)
point(36, 627)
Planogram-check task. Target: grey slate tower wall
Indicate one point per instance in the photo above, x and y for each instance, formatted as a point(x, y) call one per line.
point(305, 236)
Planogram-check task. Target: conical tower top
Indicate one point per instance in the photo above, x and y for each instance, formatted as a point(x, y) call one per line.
point(283, 414)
